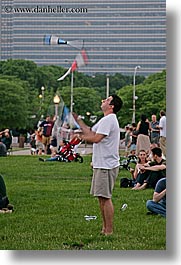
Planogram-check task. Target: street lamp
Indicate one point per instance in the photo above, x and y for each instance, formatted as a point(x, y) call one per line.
point(56, 101)
point(42, 92)
point(41, 97)
point(107, 85)
point(134, 96)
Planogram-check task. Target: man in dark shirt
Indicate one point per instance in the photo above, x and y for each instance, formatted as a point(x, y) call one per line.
point(155, 170)
point(158, 204)
point(47, 126)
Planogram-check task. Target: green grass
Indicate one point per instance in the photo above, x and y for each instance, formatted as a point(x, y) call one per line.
point(51, 200)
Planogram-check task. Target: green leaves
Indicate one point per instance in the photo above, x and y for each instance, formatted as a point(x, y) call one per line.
point(151, 98)
point(20, 96)
point(14, 104)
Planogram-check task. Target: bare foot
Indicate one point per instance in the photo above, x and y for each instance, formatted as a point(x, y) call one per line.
point(108, 234)
point(103, 231)
point(135, 188)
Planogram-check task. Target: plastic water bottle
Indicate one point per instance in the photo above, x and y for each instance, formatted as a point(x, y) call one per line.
point(124, 206)
point(90, 217)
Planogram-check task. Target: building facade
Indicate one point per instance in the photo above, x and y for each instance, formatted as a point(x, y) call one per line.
point(118, 34)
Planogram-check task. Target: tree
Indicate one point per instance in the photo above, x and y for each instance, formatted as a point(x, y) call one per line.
point(88, 90)
point(151, 98)
point(47, 76)
point(86, 100)
point(14, 104)
point(23, 69)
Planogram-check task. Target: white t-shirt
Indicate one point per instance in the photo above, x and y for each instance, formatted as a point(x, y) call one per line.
point(162, 124)
point(106, 152)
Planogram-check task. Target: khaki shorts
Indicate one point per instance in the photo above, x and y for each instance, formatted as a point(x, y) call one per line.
point(39, 145)
point(46, 140)
point(103, 181)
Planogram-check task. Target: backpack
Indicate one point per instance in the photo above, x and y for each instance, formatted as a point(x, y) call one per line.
point(125, 183)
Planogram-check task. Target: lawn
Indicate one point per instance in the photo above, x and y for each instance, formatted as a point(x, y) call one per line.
point(51, 200)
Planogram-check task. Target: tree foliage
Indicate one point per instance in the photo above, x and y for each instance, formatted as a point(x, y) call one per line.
point(14, 104)
point(86, 101)
point(151, 98)
point(22, 69)
point(21, 82)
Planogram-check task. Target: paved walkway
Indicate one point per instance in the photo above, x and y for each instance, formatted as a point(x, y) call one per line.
point(81, 149)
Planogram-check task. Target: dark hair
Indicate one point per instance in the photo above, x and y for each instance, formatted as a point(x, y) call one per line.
point(116, 102)
point(143, 117)
point(162, 113)
point(157, 151)
point(142, 150)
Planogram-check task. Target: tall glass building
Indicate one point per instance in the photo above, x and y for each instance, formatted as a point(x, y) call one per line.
point(118, 34)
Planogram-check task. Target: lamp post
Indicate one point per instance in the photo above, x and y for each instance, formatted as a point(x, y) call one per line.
point(107, 85)
point(41, 103)
point(41, 97)
point(43, 92)
point(134, 96)
point(56, 101)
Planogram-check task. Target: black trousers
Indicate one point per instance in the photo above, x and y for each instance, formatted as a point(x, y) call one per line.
point(153, 178)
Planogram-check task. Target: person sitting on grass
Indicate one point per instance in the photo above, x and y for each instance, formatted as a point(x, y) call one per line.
point(142, 160)
point(155, 170)
point(6, 139)
point(4, 201)
point(158, 204)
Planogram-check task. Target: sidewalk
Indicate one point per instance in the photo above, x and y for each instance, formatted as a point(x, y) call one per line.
point(81, 149)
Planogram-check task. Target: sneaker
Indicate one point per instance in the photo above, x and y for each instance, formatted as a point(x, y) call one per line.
point(10, 207)
point(41, 159)
point(151, 213)
point(5, 210)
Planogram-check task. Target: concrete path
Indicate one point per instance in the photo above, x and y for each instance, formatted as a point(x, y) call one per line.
point(81, 149)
